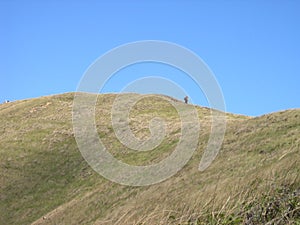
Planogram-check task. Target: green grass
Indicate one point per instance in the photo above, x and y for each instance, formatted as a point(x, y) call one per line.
point(45, 180)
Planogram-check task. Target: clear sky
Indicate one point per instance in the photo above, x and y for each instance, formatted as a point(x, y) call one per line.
point(251, 46)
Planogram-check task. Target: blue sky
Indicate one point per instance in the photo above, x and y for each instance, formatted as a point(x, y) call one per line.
point(251, 46)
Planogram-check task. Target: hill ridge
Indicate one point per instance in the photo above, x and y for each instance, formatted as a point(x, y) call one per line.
point(42, 170)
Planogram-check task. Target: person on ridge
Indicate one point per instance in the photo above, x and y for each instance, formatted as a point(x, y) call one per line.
point(186, 99)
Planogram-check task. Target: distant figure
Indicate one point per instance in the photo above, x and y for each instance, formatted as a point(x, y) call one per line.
point(6, 101)
point(186, 99)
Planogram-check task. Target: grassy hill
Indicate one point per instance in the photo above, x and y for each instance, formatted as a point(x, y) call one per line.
point(45, 180)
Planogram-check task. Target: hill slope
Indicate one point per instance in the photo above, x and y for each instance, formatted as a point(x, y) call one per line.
point(45, 180)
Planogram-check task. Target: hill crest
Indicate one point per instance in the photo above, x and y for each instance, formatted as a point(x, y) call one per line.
point(45, 180)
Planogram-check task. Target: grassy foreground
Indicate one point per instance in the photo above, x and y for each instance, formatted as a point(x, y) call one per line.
point(45, 180)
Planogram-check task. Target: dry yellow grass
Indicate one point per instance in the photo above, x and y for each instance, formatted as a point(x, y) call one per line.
point(45, 180)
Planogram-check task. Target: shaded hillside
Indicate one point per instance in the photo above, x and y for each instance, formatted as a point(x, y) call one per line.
point(45, 180)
